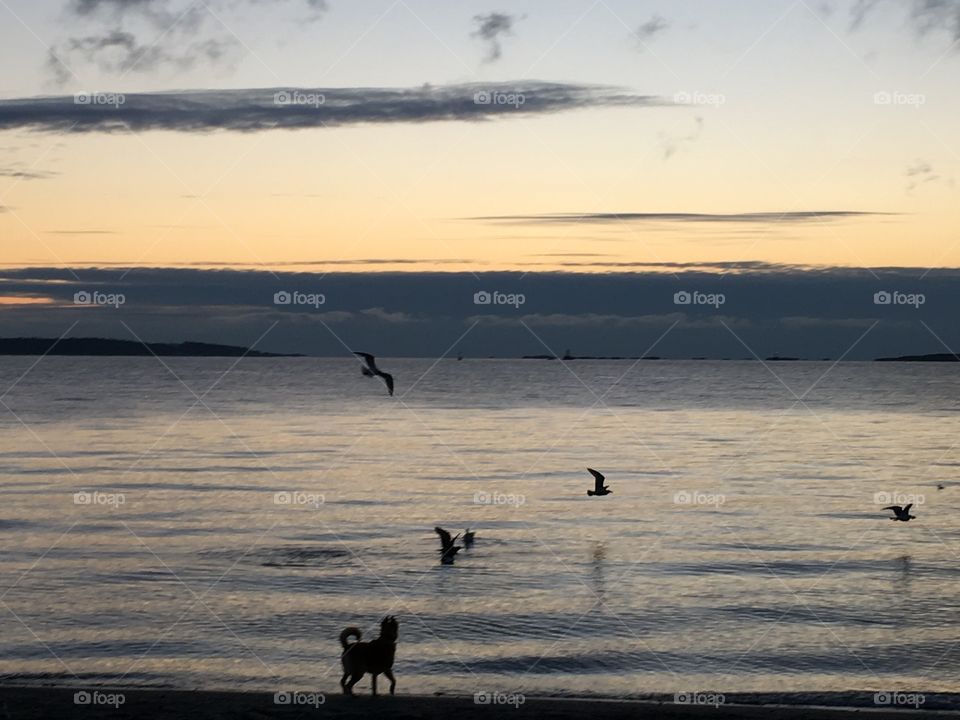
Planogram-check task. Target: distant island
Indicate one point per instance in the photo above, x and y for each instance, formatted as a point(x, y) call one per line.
point(127, 348)
point(587, 357)
point(933, 357)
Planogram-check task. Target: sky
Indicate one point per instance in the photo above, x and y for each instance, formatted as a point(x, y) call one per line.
point(529, 148)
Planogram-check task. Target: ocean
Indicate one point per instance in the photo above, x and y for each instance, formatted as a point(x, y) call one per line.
point(215, 523)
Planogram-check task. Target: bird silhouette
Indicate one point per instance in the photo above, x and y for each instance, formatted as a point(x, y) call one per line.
point(448, 549)
point(468, 537)
point(371, 369)
point(599, 488)
point(901, 513)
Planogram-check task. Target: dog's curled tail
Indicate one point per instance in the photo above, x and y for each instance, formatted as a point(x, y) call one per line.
point(350, 632)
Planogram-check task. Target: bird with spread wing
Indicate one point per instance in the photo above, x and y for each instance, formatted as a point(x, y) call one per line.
point(371, 370)
point(448, 546)
point(599, 488)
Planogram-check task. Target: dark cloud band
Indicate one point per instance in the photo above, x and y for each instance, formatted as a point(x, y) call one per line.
point(295, 108)
point(797, 312)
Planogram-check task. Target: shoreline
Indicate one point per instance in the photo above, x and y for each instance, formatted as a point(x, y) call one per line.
point(37, 701)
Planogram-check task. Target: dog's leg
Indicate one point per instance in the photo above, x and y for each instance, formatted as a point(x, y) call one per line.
point(354, 679)
point(373, 684)
point(343, 683)
point(392, 679)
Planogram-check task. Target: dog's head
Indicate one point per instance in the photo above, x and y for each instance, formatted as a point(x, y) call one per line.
point(389, 628)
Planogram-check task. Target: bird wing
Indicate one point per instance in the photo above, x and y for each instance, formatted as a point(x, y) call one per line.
point(369, 359)
point(388, 379)
point(445, 539)
point(896, 508)
point(907, 508)
point(598, 478)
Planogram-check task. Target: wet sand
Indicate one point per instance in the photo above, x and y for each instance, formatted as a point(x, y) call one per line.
point(143, 704)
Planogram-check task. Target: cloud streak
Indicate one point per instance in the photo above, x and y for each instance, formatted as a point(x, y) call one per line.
point(772, 218)
point(253, 110)
point(26, 174)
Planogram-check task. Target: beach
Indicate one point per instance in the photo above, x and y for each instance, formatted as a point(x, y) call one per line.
point(24, 703)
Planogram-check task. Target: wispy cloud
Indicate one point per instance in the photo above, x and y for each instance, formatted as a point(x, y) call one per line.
point(651, 28)
point(936, 15)
point(120, 52)
point(927, 16)
point(860, 11)
point(275, 108)
point(920, 172)
point(670, 143)
point(126, 36)
point(491, 27)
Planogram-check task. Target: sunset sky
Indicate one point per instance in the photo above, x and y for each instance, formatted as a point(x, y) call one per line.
point(647, 134)
point(783, 118)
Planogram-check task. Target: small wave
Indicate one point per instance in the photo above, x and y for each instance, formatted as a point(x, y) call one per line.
point(283, 556)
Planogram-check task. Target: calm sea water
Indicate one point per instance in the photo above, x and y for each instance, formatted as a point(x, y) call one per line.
point(744, 547)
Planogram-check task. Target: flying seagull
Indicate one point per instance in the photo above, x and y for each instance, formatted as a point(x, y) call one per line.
point(447, 550)
point(599, 488)
point(468, 537)
point(371, 369)
point(901, 513)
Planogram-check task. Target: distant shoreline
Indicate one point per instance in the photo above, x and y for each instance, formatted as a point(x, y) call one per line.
point(935, 357)
point(104, 347)
point(107, 347)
